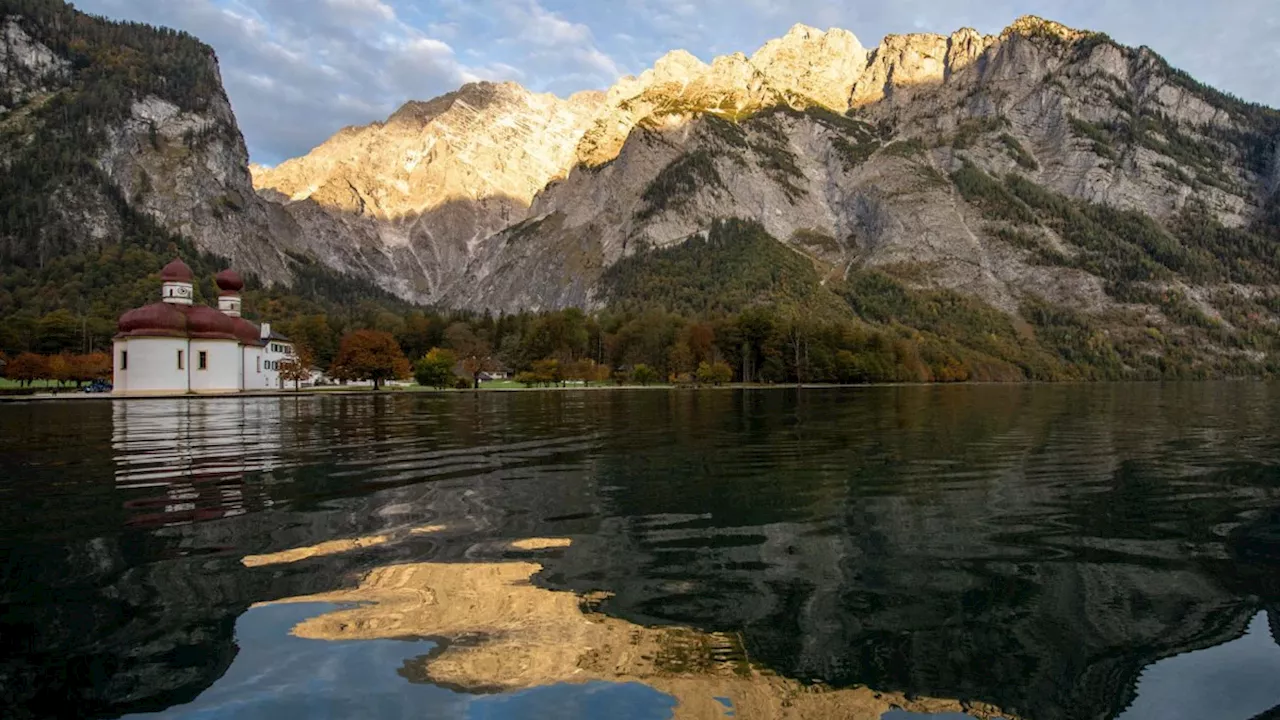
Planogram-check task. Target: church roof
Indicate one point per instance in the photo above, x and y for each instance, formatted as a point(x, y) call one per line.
point(181, 321)
point(177, 271)
point(247, 332)
point(155, 320)
point(200, 322)
point(206, 323)
point(229, 282)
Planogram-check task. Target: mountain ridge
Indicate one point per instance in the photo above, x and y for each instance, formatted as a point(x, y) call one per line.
point(680, 86)
point(1040, 168)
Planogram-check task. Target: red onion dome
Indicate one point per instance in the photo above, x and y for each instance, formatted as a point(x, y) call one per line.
point(246, 332)
point(229, 282)
point(206, 323)
point(177, 271)
point(159, 319)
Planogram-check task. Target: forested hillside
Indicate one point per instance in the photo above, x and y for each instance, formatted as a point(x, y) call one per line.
point(59, 116)
point(79, 246)
point(1039, 205)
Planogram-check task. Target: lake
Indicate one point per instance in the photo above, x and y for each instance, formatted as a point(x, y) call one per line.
point(1063, 551)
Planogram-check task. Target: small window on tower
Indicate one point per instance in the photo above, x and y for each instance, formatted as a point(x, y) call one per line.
point(124, 359)
point(179, 359)
point(259, 363)
point(204, 360)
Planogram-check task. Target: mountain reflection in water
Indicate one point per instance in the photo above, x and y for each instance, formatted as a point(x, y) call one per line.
point(1041, 552)
point(499, 633)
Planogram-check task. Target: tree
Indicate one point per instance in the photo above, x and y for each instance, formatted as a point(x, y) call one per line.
point(717, 373)
point(474, 351)
point(548, 372)
point(60, 369)
point(298, 367)
point(370, 355)
point(314, 332)
point(585, 370)
point(59, 331)
point(644, 374)
point(435, 369)
point(87, 368)
point(27, 368)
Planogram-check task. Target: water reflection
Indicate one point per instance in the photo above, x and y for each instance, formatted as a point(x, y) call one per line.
point(1233, 680)
point(1028, 549)
point(498, 632)
point(193, 456)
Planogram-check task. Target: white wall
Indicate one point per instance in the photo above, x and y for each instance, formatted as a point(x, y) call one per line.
point(254, 376)
point(271, 359)
point(153, 365)
point(119, 378)
point(223, 371)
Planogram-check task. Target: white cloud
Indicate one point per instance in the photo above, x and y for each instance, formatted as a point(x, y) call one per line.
point(542, 27)
point(362, 10)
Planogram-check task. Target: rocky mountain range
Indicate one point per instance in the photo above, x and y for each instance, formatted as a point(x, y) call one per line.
point(493, 197)
point(1041, 167)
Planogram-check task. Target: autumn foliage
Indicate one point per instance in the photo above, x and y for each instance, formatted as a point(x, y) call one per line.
point(370, 355)
point(65, 368)
point(297, 369)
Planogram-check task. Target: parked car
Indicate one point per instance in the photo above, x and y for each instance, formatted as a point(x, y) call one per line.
point(98, 386)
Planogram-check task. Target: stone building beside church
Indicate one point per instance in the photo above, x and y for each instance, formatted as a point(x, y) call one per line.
point(176, 347)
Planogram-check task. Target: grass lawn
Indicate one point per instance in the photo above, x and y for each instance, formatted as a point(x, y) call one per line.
point(7, 384)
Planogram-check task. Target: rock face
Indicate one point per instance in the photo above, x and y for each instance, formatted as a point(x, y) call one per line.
point(128, 150)
point(407, 200)
point(495, 198)
point(27, 65)
point(189, 172)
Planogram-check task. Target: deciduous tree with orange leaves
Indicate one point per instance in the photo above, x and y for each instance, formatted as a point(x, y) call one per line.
point(87, 368)
point(60, 368)
point(370, 355)
point(297, 368)
point(27, 368)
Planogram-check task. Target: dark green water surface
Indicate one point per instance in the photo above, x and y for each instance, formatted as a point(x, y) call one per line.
point(1033, 551)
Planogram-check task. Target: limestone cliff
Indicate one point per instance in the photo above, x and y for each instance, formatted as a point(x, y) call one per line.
point(495, 198)
point(102, 145)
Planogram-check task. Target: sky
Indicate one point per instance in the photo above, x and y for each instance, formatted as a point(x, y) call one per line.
point(299, 70)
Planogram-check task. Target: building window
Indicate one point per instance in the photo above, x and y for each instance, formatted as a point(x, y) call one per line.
point(179, 359)
point(259, 363)
point(204, 360)
point(124, 359)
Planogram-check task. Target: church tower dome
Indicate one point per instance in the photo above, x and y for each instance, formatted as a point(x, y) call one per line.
point(177, 288)
point(229, 286)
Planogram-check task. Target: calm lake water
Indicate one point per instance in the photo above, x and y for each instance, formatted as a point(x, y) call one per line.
point(1107, 551)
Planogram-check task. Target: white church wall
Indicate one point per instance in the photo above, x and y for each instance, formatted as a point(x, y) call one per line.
point(119, 376)
point(221, 373)
point(254, 376)
point(152, 365)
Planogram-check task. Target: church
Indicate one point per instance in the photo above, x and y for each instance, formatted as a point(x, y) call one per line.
point(176, 347)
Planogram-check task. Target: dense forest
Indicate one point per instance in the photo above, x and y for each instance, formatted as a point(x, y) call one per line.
point(736, 298)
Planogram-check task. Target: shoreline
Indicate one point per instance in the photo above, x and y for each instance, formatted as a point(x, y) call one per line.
point(72, 396)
